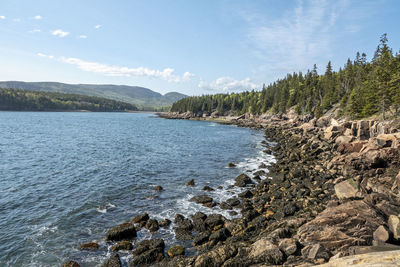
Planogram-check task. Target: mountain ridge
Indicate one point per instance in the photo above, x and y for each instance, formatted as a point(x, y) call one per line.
point(142, 97)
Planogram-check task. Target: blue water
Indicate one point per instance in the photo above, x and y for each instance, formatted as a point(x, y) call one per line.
point(66, 178)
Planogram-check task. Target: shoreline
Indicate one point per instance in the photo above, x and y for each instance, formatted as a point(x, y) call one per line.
point(292, 216)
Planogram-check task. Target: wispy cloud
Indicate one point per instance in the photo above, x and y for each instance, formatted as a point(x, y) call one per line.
point(296, 39)
point(38, 17)
point(98, 26)
point(228, 84)
point(2, 17)
point(45, 56)
point(17, 20)
point(82, 36)
point(108, 70)
point(35, 31)
point(59, 33)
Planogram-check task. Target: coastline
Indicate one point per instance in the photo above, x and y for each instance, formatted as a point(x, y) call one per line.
point(330, 178)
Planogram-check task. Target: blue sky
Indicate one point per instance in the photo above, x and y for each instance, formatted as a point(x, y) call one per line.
point(193, 47)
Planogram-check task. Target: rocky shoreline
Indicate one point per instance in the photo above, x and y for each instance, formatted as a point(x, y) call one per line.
point(333, 192)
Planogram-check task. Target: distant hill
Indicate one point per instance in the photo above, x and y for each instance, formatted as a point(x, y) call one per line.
point(143, 98)
point(28, 100)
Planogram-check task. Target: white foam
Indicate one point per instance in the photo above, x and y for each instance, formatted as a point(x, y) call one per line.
point(104, 210)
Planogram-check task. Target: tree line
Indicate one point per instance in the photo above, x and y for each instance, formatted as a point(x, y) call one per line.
point(360, 89)
point(27, 100)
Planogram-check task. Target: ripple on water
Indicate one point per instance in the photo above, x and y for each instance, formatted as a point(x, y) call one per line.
point(69, 177)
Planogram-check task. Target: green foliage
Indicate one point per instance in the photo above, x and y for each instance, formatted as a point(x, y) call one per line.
point(361, 88)
point(24, 100)
point(141, 97)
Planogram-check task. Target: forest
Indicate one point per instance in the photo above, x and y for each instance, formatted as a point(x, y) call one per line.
point(27, 100)
point(360, 89)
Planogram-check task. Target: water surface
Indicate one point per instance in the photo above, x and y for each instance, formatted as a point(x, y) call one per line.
point(65, 178)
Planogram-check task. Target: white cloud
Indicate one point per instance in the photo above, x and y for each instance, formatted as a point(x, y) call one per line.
point(98, 26)
point(95, 67)
point(35, 31)
point(59, 33)
point(45, 56)
point(17, 20)
point(228, 84)
point(82, 36)
point(37, 17)
point(2, 17)
point(298, 38)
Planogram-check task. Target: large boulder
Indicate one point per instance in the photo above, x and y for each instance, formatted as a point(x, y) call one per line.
point(124, 231)
point(338, 228)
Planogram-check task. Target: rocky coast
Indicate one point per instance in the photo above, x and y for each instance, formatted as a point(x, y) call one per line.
point(331, 198)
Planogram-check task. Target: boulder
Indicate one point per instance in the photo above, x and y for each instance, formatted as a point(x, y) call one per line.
point(264, 251)
point(394, 226)
point(124, 231)
point(338, 228)
point(220, 235)
point(246, 194)
point(214, 220)
point(113, 261)
point(343, 139)
point(374, 259)
point(201, 199)
point(381, 235)
point(71, 264)
point(225, 206)
point(152, 225)
point(201, 238)
point(176, 251)
point(123, 245)
point(242, 180)
point(288, 246)
point(347, 189)
point(89, 246)
point(141, 218)
point(183, 234)
point(315, 251)
point(148, 252)
point(345, 148)
point(215, 257)
point(233, 201)
point(190, 182)
point(208, 188)
point(231, 165)
point(363, 132)
point(332, 131)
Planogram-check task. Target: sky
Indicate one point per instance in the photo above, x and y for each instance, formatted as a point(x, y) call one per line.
point(191, 47)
